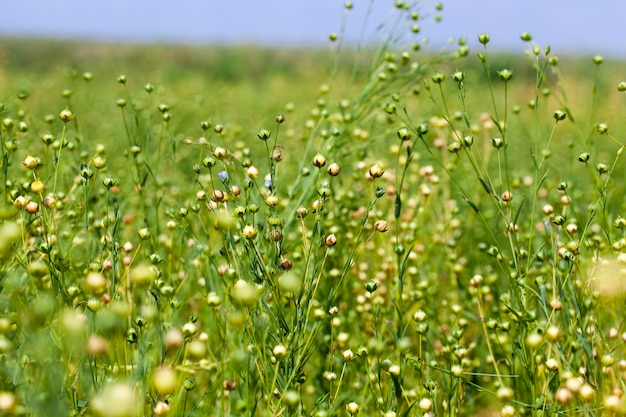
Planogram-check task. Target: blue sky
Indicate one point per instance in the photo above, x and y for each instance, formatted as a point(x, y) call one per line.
point(569, 26)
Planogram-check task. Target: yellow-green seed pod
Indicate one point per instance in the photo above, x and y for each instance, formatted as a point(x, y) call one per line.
point(290, 282)
point(164, 380)
point(142, 274)
point(116, 400)
point(9, 234)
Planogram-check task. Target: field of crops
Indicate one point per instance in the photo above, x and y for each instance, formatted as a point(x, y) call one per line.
point(381, 231)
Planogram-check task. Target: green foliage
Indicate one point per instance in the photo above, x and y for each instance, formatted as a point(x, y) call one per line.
point(216, 233)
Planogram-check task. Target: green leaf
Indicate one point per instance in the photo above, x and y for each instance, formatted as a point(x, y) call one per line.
point(398, 206)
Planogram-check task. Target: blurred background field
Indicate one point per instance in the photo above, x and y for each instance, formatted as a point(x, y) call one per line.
point(395, 227)
point(243, 86)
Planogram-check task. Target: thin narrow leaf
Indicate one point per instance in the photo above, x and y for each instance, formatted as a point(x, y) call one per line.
point(472, 204)
point(519, 211)
point(398, 205)
point(486, 186)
